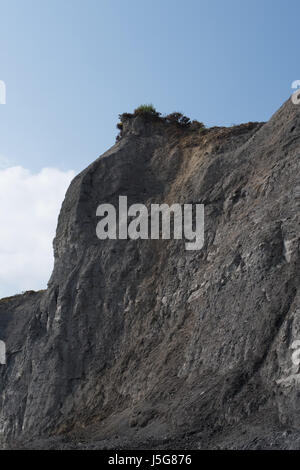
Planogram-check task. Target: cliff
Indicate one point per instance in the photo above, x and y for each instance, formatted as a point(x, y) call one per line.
point(141, 343)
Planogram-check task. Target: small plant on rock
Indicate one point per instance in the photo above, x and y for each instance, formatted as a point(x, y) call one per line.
point(146, 110)
point(179, 119)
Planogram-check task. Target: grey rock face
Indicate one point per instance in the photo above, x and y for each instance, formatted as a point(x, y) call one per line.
point(141, 340)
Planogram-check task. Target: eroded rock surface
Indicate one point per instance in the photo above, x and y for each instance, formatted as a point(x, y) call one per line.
point(142, 341)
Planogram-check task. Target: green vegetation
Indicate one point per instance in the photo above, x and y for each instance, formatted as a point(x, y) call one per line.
point(178, 118)
point(148, 112)
point(146, 109)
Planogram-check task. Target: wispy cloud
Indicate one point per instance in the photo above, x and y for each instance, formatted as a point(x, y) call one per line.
point(29, 207)
point(4, 162)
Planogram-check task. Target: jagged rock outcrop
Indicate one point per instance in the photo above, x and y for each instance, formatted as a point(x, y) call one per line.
point(138, 341)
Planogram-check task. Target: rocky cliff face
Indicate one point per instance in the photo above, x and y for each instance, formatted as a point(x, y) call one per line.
point(140, 342)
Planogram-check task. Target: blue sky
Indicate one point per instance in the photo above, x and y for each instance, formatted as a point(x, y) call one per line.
point(70, 67)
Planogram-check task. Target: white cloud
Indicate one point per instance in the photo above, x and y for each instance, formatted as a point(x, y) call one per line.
point(29, 208)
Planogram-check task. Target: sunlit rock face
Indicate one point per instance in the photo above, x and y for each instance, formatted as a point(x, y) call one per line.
point(142, 342)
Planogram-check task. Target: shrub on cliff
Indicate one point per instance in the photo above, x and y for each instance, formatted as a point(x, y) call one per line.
point(197, 125)
point(120, 127)
point(179, 119)
point(146, 110)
